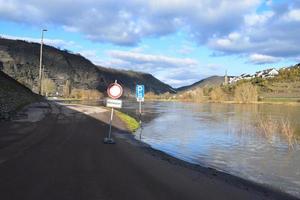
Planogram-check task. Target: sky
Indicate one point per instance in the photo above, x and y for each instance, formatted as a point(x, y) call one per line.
point(178, 41)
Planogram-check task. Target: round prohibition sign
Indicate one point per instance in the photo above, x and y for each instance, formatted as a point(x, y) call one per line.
point(114, 90)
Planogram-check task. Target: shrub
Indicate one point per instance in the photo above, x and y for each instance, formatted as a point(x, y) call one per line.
point(245, 93)
point(218, 95)
point(48, 86)
point(151, 95)
point(86, 94)
point(270, 127)
point(288, 132)
point(67, 89)
point(196, 95)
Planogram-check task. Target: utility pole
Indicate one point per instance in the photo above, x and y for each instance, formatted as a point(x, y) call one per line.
point(41, 61)
point(43, 77)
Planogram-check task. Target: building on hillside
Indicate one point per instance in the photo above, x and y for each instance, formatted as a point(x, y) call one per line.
point(268, 73)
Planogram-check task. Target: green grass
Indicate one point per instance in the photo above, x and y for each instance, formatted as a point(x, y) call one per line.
point(130, 122)
point(281, 99)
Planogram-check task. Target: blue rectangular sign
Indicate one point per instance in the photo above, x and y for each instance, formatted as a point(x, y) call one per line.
point(140, 92)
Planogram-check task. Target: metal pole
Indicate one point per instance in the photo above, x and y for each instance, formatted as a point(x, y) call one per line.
point(140, 107)
point(42, 77)
point(41, 62)
point(110, 123)
point(140, 111)
point(109, 139)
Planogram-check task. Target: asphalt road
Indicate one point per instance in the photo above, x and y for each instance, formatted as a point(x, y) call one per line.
point(63, 157)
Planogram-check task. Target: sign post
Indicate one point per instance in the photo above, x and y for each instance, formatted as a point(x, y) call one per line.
point(140, 97)
point(140, 94)
point(114, 91)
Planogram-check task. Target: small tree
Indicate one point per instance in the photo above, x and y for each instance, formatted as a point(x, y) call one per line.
point(246, 93)
point(197, 95)
point(67, 88)
point(217, 94)
point(48, 86)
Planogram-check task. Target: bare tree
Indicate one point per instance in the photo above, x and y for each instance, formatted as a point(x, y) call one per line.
point(218, 95)
point(67, 88)
point(246, 93)
point(48, 86)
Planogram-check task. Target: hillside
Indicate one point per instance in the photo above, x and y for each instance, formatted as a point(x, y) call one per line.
point(13, 96)
point(269, 85)
point(209, 82)
point(20, 60)
point(285, 85)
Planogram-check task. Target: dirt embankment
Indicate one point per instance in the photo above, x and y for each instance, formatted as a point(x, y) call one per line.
point(13, 96)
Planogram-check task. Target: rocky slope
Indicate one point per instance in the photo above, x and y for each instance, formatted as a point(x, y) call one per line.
point(20, 60)
point(13, 96)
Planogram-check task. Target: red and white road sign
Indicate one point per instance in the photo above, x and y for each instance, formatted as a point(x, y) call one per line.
point(114, 90)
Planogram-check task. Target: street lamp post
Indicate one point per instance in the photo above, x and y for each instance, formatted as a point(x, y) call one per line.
point(41, 61)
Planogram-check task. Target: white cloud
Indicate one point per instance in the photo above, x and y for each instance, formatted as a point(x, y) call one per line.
point(186, 49)
point(255, 19)
point(159, 60)
point(263, 59)
point(234, 42)
point(292, 15)
point(126, 23)
point(273, 33)
point(172, 70)
point(230, 28)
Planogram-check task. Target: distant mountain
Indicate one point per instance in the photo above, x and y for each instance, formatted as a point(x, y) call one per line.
point(207, 82)
point(20, 60)
point(13, 95)
point(131, 78)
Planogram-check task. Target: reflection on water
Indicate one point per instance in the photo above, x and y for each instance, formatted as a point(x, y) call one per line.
point(223, 136)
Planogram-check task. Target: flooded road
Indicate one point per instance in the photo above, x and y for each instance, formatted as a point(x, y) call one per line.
point(223, 136)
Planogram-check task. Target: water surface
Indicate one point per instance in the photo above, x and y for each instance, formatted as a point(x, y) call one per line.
point(223, 136)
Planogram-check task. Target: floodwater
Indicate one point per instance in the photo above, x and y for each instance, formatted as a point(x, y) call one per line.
point(224, 137)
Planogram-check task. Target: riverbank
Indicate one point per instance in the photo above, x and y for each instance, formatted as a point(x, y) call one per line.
point(63, 157)
point(276, 101)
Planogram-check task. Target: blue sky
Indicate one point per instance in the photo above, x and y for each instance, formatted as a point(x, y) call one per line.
point(178, 41)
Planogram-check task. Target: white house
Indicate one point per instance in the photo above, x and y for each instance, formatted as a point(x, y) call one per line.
point(273, 72)
point(268, 73)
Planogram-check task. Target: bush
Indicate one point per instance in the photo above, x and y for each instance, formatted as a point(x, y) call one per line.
point(218, 95)
point(48, 86)
point(246, 93)
point(86, 94)
point(196, 95)
point(67, 89)
point(151, 95)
